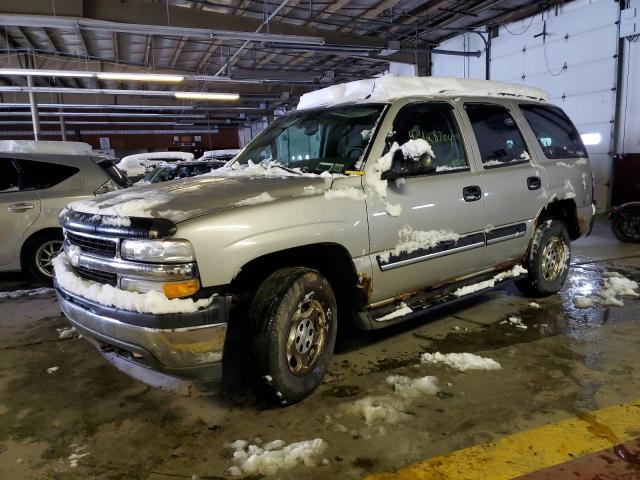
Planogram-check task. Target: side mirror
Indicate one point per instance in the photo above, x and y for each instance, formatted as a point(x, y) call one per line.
point(402, 166)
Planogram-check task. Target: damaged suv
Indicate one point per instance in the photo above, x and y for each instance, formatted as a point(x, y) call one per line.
point(372, 202)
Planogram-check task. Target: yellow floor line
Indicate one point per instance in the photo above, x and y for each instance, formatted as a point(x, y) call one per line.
point(530, 451)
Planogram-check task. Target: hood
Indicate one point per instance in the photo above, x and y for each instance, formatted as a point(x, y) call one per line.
point(180, 200)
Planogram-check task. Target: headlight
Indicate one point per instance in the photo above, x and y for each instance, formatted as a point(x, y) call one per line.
point(157, 251)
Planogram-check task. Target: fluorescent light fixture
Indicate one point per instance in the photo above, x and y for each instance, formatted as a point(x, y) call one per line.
point(591, 138)
point(34, 72)
point(142, 77)
point(207, 96)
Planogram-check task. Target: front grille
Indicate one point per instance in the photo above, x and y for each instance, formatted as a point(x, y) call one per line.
point(97, 276)
point(93, 245)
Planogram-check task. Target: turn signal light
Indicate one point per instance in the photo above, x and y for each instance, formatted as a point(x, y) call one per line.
point(180, 289)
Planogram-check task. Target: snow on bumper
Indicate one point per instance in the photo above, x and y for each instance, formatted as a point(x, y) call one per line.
point(186, 345)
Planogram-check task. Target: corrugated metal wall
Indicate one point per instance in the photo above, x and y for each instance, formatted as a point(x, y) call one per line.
point(575, 61)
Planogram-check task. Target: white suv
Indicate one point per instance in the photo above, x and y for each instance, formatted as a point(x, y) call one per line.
point(37, 179)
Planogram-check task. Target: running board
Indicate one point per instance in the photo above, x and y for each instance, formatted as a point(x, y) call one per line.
point(427, 300)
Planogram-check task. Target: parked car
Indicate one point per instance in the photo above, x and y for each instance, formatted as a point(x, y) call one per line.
point(172, 171)
point(220, 156)
point(372, 203)
point(138, 165)
point(37, 179)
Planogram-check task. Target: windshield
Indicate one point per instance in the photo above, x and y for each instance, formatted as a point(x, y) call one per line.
point(160, 174)
point(332, 139)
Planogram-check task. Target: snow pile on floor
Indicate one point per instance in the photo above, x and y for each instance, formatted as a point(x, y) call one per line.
point(70, 332)
point(516, 322)
point(411, 240)
point(26, 293)
point(402, 310)
point(149, 302)
point(391, 408)
point(78, 453)
point(516, 271)
point(584, 302)
point(461, 361)
point(615, 285)
point(264, 197)
point(351, 193)
point(53, 369)
point(535, 305)
point(252, 460)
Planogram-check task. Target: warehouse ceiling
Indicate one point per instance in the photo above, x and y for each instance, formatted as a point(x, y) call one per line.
point(267, 51)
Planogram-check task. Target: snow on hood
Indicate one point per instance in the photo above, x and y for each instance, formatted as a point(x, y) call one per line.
point(180, 200)
point(391, 87)
point(136, 164)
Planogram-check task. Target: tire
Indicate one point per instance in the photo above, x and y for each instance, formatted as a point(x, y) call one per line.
point(37, 254)
point(293, 319)
point(627, 229)
point(548, 260)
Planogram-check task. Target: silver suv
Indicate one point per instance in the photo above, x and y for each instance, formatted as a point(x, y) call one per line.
point(373, 202)
point(37, 179)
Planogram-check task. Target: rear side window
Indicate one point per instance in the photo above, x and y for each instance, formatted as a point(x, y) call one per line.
point(42, 175)
point(9, 176)
point(498, 136)
point(556, 135)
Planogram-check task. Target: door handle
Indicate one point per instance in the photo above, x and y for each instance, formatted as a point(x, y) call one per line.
point(20, 207)
point(472, 193)
point(534, 183)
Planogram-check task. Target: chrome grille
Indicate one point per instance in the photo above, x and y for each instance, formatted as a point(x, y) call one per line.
point(93, 245)
point(97, 276)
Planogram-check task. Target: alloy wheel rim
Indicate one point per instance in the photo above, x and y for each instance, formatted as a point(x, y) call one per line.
point(554, 257)
point(45, 255)
point(307, 336)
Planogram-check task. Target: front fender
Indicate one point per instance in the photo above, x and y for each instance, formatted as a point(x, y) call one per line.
point(227, 240)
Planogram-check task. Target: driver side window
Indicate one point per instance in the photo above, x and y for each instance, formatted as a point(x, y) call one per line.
point(435, 123)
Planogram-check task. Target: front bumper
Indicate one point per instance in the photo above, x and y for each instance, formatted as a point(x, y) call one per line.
point(149, 347)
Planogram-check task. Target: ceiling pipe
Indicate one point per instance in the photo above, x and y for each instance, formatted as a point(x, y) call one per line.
point(80, 106)
point(75, 23)
point(107, 91)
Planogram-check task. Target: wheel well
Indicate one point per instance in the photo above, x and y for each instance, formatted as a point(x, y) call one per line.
point(566, 211)
point(333, 261)
point(45, 232)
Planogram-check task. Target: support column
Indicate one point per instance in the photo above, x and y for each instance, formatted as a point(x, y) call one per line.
point(35, 120)
point(63, 129)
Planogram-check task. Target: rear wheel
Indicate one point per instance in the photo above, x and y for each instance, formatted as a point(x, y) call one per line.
point(293, 321)
point(626, 226)
point(548, 260)
point(38, 255)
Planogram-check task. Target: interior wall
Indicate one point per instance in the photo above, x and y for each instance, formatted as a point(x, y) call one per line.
point(574, 60)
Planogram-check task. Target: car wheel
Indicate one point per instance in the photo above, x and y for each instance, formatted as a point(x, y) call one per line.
point(293, 317)
point(627, 229)
point(38, 255)
point(548, 260)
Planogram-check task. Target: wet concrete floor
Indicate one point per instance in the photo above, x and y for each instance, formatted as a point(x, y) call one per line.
point(567, 362)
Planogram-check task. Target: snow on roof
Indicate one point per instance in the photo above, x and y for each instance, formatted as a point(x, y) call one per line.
point(390, 87)
point(158, 156)
point(46, 147)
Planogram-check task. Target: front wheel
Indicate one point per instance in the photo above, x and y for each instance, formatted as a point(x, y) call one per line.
point(38, 255)
point(548, 260)
point(294, 321)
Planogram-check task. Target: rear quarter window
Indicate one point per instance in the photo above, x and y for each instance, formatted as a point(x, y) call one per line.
point(555, 133)
point(43, 175)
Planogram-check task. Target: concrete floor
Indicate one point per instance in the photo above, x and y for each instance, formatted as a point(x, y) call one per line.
point(567, 362)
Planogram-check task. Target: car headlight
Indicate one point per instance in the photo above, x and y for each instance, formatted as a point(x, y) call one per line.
point(157, 251)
